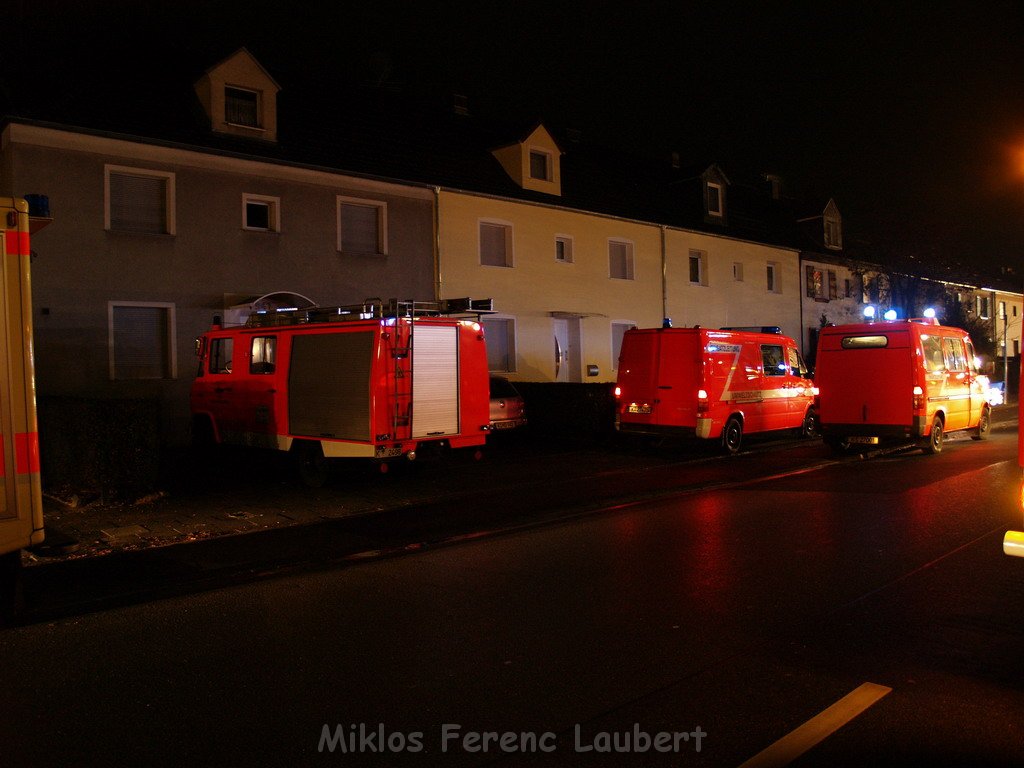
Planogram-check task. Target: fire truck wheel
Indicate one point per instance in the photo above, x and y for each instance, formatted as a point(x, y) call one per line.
point(310, 463)
point(732, 435)
point(935, 440)
point(984, 425)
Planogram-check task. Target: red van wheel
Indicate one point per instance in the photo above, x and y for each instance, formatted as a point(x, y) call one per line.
point(984, 425)
point(810, 425)
point(935, 440)
point(732, 435)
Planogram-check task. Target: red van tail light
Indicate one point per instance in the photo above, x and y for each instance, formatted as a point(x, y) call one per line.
point(918, 399)
point(618, 392)
point(702, 401)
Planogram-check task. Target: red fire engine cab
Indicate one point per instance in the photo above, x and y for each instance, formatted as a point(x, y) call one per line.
point(713, 384)
point(376, 380)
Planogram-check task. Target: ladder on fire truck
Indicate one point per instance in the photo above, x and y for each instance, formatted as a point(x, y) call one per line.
point(404, 314)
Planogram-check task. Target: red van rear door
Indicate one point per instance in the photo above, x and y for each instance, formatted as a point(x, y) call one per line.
point(866, 377)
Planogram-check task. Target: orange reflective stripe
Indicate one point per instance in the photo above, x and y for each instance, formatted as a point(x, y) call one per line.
point(26, 454)
point(16, 243)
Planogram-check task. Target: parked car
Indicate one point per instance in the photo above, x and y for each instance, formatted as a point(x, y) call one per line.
point(507, 409)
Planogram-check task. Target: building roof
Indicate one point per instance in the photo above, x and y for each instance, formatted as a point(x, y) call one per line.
point(386, 133)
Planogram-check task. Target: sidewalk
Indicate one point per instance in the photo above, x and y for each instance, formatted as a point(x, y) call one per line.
point(251, 491)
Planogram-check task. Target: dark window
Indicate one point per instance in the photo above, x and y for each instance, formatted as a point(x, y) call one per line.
point(257, 215)
point(241, 107)
point(220, 355)
point(540, 166)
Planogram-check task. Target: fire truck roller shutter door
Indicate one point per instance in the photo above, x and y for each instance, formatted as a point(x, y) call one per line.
point(329, 385)
point(435, 381)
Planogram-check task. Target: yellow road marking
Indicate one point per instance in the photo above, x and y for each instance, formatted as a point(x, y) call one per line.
point(795, 743)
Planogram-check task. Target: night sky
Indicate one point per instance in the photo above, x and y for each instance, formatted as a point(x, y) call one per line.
point(912, 118)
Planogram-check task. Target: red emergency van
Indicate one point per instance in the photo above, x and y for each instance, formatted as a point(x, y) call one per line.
point(712, 384)
point(899, 380)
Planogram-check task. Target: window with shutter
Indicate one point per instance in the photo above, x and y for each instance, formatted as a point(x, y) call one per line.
point(698, 268)
point(241, 107)
point(495, 244)
point(141, 341)
point(362, 226)
point(139, 201)
point(620, 259)
point(540, 165)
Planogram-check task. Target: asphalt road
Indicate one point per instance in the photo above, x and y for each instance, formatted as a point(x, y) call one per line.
point(734, 614)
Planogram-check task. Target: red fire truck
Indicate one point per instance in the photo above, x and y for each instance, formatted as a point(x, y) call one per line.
point(21, 500)
point(714, 384)
point(376, 380)
point(1013, 542)
point(899, 380)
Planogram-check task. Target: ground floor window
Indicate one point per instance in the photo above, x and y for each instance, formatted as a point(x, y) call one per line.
point(500, 333)
point(141, 340)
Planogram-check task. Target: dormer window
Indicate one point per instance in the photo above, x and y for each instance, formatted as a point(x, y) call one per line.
point(533, 162)
point(833, 224)
point(241, 107)
point(715, 207)
point(713, 191)
point(240, 97)
point(540, 165)
point(833, 233)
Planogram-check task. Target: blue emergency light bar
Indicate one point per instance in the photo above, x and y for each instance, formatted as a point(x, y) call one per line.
point(755, 328)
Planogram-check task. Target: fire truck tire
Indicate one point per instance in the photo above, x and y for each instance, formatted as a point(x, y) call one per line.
point(981, 432)
point(732, 435)
point(310, 463)
point(936, 438)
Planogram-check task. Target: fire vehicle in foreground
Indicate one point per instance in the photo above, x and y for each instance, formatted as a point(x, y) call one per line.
point(713, 384)
point(377, 380)
point(1013, 542)
point(899, 380)
point(21, 499)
